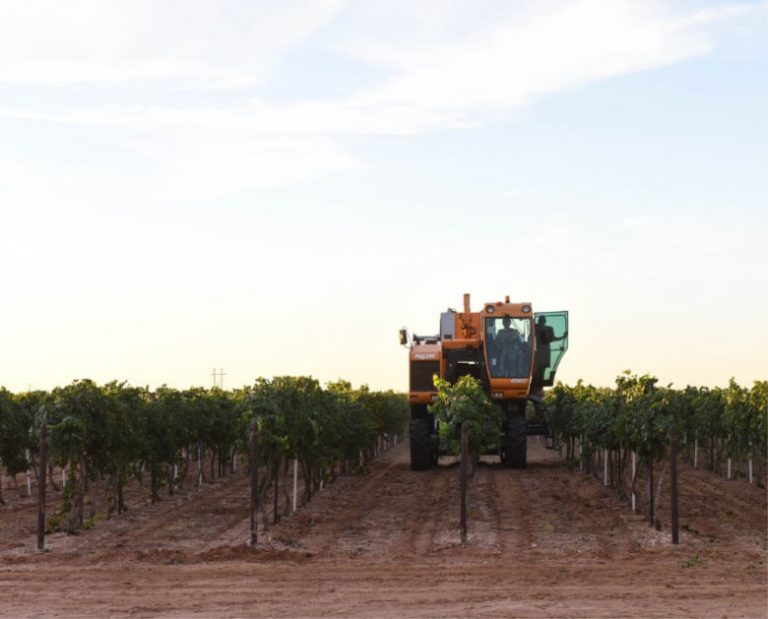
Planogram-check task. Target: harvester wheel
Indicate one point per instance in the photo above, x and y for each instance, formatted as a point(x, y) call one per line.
point(516, 442)
point(421, 446)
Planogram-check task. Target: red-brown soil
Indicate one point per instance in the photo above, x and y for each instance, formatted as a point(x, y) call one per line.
point(543, 542)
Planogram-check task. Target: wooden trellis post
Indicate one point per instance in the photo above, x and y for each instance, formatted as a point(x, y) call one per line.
point(673, 485)
point(634, 474)
point(295, 482)
point(41, 486)
point(254, 480)
point(463, 476)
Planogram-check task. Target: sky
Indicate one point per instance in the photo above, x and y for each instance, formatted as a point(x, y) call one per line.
point(277, 187)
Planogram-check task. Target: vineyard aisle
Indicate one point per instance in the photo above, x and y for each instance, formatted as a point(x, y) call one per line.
point(543, 541)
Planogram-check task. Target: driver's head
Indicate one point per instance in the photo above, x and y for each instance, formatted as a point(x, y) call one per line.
point(542, 321)
point(506, 322)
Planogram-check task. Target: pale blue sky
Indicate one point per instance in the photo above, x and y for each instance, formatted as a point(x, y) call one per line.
point(277, 187)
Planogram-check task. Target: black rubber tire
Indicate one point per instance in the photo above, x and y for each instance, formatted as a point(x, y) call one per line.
point(421, 444)
point(516, 442)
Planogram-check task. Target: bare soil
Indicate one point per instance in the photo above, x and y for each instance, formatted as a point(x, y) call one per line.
point(543, 542)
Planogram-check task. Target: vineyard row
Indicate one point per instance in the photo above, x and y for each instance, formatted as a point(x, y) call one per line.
point(619, 434)
point(116, 432)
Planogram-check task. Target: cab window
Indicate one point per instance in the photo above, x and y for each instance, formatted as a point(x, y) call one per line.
point(508, 346)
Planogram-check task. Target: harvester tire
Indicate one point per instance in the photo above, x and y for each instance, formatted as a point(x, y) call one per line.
point(516, 442)
point(421, 444)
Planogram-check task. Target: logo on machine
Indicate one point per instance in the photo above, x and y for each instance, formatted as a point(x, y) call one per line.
point(425, 355)
point(519, 381)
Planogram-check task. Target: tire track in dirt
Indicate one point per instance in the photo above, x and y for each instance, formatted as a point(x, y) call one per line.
point(392, 513)
point(544, 508)
point(484, 512)
point(346, 525)
point(514, 509)
point(575, 514)
point(432, 513)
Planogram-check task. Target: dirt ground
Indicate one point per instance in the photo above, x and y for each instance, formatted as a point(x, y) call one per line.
point(543, 542)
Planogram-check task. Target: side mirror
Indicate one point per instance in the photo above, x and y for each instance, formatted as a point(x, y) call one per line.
point(403, 337)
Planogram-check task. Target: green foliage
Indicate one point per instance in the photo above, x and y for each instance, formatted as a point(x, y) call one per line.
point(53, 523)
point(299, 419)
point(15, 423)
point(637, 415)
point(465, 402)
point(691, 561)
point(117, 430)
point(78, 424)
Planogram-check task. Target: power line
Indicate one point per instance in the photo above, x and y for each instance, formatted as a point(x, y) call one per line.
point(218, 377)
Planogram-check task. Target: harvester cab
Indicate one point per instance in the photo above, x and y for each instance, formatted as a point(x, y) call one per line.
point(511, 350)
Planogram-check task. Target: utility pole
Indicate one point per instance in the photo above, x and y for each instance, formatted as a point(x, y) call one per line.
point(218, 377)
